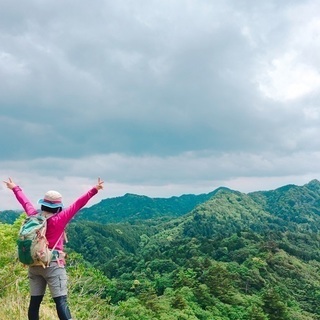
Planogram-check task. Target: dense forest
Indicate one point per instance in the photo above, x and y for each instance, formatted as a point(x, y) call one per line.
point(224, 255)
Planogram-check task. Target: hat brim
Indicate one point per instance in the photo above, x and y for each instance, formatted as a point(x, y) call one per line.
point(49, 204)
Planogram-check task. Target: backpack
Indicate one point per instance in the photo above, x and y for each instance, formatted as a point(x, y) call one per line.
point(32, 242)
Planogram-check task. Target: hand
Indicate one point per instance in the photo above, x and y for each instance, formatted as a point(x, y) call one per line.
point(10, 184)
point(99, 186)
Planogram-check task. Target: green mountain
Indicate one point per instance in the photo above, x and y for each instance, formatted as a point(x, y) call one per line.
point(234, 256)
point(131, 207)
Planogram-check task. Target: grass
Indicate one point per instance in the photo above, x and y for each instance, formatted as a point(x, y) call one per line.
point(14, 298)
point(16, 307)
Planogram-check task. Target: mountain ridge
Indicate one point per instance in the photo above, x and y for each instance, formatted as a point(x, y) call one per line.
point(131, 207)
point(233, 256)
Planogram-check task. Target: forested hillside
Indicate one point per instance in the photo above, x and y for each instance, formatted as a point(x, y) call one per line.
point(234, 256)
point(131, 207)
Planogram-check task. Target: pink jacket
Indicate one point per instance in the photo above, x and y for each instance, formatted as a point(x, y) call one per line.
point(57, 223)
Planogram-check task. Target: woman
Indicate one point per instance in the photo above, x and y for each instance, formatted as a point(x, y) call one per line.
point(55, 275)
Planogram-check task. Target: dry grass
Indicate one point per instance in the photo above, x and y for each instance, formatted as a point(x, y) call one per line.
point(16, 307)
point(14, 300)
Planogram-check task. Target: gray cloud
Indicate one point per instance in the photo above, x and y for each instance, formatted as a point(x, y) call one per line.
point(156, 94)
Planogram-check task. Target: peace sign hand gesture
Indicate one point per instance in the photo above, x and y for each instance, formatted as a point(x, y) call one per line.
point(10, 184)
point(99, 186)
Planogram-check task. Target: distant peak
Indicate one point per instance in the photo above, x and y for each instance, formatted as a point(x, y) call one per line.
point(313, 184)
point(222, 189)
point(130, 195)
point(133, 195)
point(314, 181)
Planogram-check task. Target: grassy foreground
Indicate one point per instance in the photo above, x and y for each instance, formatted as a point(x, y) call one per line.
point(14, 299)
point(85, 286)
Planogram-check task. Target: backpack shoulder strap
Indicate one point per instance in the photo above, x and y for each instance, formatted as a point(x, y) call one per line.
point(57, 241)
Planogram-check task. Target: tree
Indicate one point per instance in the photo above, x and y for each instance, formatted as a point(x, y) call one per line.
point(273, 305)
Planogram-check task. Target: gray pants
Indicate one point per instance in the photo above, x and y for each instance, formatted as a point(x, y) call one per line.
point(53, 276)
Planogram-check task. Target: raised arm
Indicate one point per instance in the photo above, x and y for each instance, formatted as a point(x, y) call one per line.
point(68, 213)
point(20, 196)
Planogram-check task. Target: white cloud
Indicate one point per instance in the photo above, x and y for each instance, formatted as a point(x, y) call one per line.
point(289, 67)
point(287, 78)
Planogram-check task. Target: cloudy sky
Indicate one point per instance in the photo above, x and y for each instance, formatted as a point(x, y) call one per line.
point(158, 98)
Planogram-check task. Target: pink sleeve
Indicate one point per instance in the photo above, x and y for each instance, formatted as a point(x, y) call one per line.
point(58, 222)
point(24, 201)
point(67, 214)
